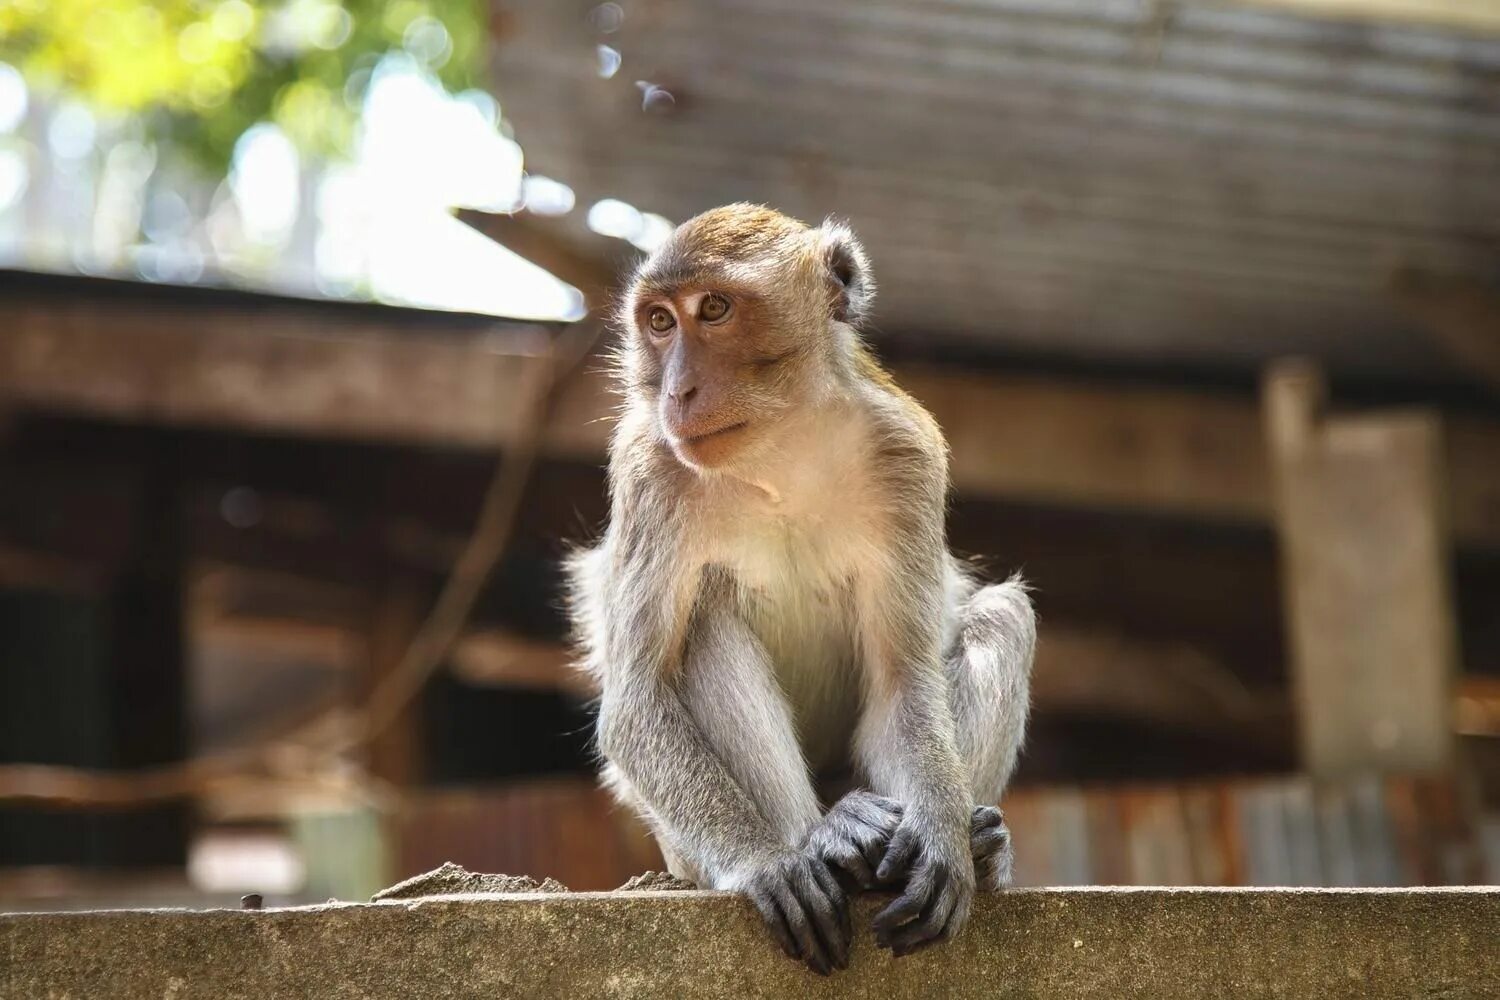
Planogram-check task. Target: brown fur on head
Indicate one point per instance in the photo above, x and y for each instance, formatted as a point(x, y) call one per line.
point(741, 311)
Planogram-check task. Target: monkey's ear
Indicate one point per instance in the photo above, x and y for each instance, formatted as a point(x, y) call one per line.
point(848, 272)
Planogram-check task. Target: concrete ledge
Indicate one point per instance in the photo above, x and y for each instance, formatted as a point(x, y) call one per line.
point(1046, 943)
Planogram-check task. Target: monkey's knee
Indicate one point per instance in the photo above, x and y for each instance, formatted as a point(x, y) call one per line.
point(990, 677)
point(998, 628)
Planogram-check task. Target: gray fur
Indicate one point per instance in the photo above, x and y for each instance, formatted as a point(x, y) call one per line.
point(784, 604)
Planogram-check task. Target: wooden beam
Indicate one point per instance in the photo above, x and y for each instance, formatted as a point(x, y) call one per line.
point(284, 371)
point(1079, 672)
point(1034, 439)
point(1048, 441)
point(1464, 15)
point(1094, 673)
point(1152, 449)
point(1459, 312)
point(240, 639)
point(589, 262)
point(25, 569)
point(498, 657)
point(1365, 563)
point(1477, 712)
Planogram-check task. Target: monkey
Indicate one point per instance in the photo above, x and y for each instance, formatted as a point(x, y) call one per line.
point(773, 600)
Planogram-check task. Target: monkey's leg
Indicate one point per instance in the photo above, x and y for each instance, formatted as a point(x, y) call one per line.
point(989, 676)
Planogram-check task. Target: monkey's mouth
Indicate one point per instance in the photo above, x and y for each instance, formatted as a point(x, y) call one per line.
point(709, 436)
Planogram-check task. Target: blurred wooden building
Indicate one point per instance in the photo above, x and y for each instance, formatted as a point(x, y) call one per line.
point(1270, 591)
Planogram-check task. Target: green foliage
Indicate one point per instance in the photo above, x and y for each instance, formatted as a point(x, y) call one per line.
point(200, 72)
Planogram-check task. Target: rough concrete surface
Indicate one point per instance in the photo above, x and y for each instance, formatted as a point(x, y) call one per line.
point(1115, 943)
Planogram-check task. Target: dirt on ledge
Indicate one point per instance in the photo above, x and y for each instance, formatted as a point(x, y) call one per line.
point(450, 879)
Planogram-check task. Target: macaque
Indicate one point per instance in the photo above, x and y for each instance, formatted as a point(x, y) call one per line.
point(773, 605)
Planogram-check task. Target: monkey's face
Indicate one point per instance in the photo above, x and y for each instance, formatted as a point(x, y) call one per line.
point(734, 323)
point(719, 362)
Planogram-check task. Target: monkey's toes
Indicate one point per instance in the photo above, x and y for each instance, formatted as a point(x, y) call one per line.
point(990, 844)
point(985, 817)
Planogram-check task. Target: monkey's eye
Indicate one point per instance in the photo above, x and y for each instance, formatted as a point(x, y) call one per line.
point(714, 308)
point(660, 320)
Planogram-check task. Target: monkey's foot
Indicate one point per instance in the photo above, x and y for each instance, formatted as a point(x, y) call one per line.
point(989, 839)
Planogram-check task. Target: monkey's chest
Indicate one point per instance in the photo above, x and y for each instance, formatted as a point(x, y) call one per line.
point(812, 649)
point(799, 602)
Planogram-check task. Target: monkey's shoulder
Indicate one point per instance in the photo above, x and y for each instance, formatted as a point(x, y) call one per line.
point(892, 405)
point(908, 454)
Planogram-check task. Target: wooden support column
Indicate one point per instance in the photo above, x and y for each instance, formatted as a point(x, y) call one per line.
point(1364, 552)
point(147, 663)
point(395, 753)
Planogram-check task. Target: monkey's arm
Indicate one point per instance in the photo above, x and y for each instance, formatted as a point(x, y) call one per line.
point(731, 820)
point(907, 741)
point(647, 732)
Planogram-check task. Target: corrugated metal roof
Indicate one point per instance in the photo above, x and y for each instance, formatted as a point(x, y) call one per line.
point(1112, 178)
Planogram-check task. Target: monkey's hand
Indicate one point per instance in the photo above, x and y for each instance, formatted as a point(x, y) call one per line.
point(935, 856)
point(803, 905)
point(989, 842)
point(853, 835)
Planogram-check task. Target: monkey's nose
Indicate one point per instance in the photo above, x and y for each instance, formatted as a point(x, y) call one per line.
point(682, 397)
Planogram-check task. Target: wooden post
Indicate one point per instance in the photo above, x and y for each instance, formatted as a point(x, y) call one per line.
point(1364, 552)
point(147, 669)
point(395, 753)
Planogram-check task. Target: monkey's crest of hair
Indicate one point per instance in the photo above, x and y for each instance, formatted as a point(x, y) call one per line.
point(757, 246)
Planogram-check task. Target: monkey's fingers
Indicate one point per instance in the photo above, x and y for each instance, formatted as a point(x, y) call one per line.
point(943, 914)
point(993, 873)
point(907, 907)
point(847, 858)
point(899, 854)
point(809, 948)
point(928, 929)
point(984, 818)
point(989, 841)
point(873, 850)
point(840, 901)
point(830, 916)
point(875, 811)
point(990, 846)
point(771, 913)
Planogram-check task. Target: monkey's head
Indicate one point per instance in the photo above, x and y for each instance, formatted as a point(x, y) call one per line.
point(739, 315)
